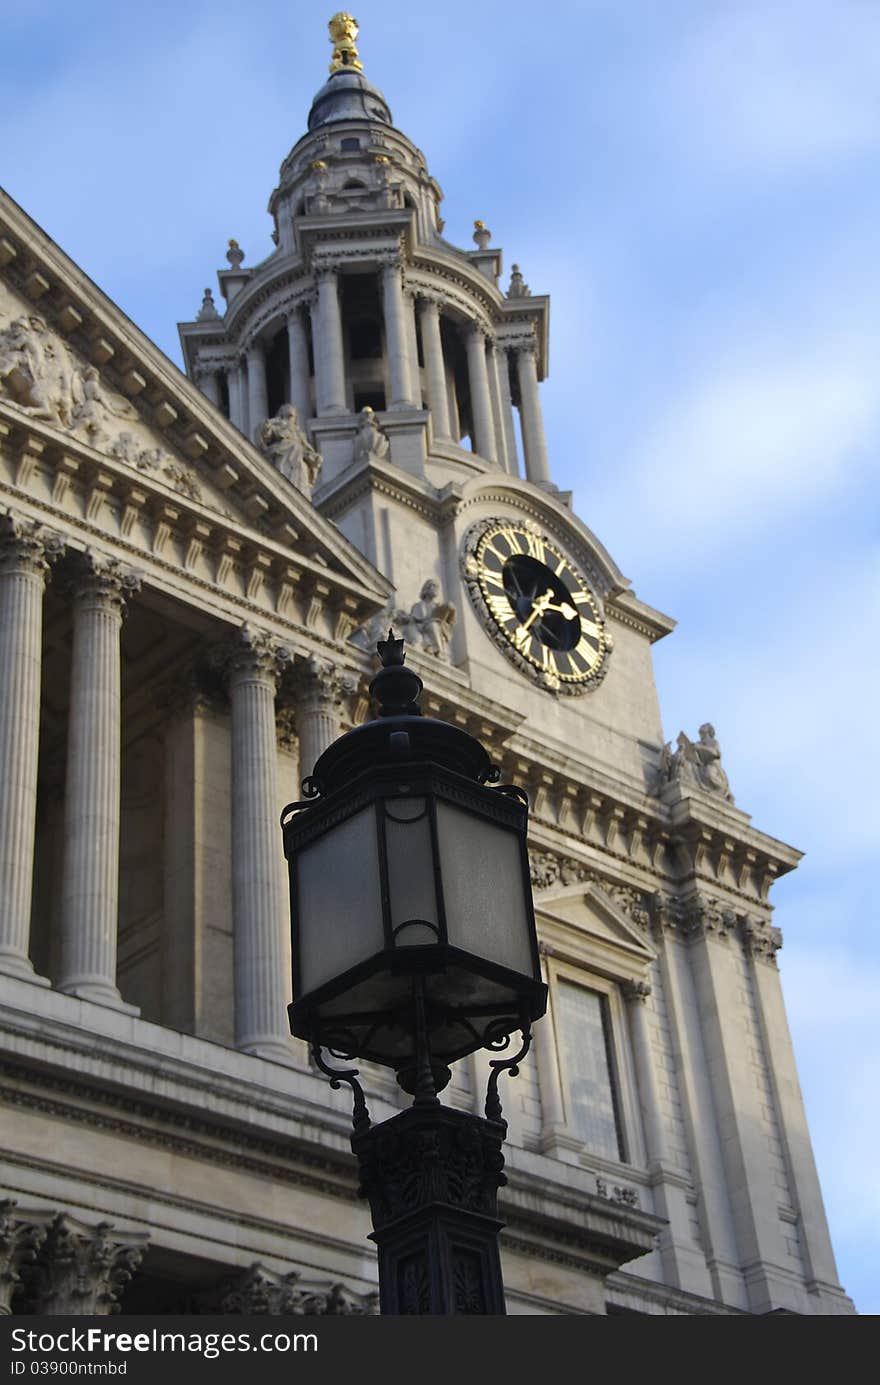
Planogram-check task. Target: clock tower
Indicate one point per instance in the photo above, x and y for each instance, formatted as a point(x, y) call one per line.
point(393, 378)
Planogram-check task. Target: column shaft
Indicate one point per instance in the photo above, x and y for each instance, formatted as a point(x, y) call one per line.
point(90, 889)
point(435, 369)
point(260, 911)
point(534, 442)
point(320, 689)
point(409, 318)
point(396, 341)
point(481, 403)
point(300, 394)
point(506, 429)
point(237, 400)
point(327, 344)
point(258, 396)
point(209, 384)
point(22, 576)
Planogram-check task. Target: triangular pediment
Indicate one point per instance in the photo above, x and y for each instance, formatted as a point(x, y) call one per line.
point(77, 371)
point(587, 914)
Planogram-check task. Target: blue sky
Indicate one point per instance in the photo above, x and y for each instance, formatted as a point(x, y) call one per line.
point(695, 184)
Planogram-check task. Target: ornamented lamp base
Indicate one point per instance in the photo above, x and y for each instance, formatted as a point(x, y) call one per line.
point(431, 1175)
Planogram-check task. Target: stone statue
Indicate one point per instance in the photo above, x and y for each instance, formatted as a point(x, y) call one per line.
point(428, 623)
point(696, 764)
point(95, 405)
point(36, 371)
point(370, 443)
point(284, 442)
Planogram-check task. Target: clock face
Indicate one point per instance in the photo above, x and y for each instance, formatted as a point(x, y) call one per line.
point(537, 606)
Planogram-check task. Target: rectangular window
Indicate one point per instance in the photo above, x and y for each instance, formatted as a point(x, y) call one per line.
point(588, 1070)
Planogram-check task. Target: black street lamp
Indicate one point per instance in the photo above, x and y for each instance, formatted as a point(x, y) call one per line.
point(414, 944)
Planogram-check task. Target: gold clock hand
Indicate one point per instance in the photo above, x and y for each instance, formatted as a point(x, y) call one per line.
point(540, 606)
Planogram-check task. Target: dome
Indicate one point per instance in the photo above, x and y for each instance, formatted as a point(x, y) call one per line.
point(348, 96)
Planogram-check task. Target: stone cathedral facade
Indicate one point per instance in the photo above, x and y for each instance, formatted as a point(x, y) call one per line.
point(193, 573)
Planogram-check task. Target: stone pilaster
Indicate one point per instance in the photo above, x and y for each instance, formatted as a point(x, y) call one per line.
point(327, 343)
point(20, 1240)
point(253, 664)
point(25, 552)
point(397, 342)
point(82, 1270)
point(258, 397)
point(300, 395)
point(90, 887)
point(481, 402)
point(435, 368)
point(319, 690)
point(237, 397)
point(534, 441)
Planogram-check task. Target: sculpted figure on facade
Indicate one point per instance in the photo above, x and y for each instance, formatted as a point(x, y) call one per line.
point(696, 764)
point(370, 443)
point(95, 406)
point(284, 442)
point(36, 370)
point(427, 625)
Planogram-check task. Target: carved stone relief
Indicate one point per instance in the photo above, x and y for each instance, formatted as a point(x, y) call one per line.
point(695, 764)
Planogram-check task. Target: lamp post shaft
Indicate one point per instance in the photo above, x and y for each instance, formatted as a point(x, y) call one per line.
point(431, 1175)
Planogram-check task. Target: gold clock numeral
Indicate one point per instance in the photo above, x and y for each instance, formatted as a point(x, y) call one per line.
point(522, 638)
point(494, 578)
point(512, 539)
point(590, 627)
point(560, 568)
point(535, 547)
point(586, 651)
point(548, 660)
point(500, 608)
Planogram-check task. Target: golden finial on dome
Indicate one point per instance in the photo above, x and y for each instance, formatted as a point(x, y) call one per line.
point(343, 32)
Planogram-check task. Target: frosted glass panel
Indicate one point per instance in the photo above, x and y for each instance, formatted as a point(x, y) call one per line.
point(339, 900)
point(586, 1071)
point(410, 870)
point(483, 889)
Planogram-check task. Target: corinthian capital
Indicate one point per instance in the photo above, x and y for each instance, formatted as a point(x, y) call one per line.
point(252, 653)
point(103, 581)
point(81, 1270)
point(320, 682)
point(20, 1239)
point(25, 545)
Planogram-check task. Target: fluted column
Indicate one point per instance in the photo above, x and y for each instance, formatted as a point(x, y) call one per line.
point(396, 339)
point(327, 346)
point(534, 442)
point(481, 402)
point(505, 432)
point(253, 665)
point(320, 688)
point(297, 341)
point(258, 395)
point(237, 397)
point(209, 384)
point(435, 368)
point(409, 320)
point(25, 550)
point(90, 885)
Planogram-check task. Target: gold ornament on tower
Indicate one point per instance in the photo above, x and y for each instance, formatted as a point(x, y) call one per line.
point(343, 32)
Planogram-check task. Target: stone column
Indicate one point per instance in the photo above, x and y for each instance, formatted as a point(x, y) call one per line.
point(327, 345)
point(209, 384)
point(25, 550)
point(253, 664)
point(237, 399)
point(504, 427)
point(534, 442)
point(320, 688)
point(300, 395)
point(90, 885)
point(481, 403)
point(409, 318)
point(435, 369)
point(258, 397)
point(81, 1270)
point(396, 339)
